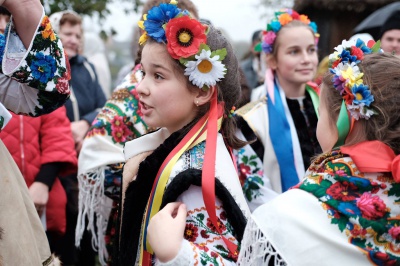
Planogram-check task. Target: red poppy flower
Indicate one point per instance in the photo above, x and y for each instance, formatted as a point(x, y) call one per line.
point(357, 52)
point(184, 36)
point(295, 15)
point(371, 43)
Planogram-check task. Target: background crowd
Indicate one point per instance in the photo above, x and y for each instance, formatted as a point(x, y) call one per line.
point(299, 129)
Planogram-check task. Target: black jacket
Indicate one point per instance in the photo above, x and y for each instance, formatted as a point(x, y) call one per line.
point(85, 89)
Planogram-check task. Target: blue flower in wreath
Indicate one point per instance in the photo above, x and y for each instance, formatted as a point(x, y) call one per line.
point(157, 17)
point(2, 47)
point(267, 48)
point(313, 26)
point(43, 67)
point(360, 44)
point(275, 25)
point(362, 95)
point(349, 209)
point(347, 57)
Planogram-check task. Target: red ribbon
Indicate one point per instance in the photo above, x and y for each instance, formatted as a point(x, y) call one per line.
point(374, 156)
point(208, 173)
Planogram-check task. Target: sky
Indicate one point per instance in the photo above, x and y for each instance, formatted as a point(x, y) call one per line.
point(239, 18)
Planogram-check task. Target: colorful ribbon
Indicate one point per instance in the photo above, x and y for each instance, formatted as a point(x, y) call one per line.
point(279, 131)
point(205, 129)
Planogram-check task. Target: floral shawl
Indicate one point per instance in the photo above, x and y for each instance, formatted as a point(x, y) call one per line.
point(101, 161)
point(336, 209)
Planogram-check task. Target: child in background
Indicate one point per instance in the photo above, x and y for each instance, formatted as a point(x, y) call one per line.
point(345, 211)
point(190, 84)
point(283, 115)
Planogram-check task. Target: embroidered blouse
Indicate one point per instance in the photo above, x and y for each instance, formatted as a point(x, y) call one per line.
point(33, 81)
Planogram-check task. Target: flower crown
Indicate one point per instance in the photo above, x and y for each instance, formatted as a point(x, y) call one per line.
point(348, 78)
point(186, 40)
point(282, 18)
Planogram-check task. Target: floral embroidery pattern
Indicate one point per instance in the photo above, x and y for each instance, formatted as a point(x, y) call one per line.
point(250, 174)
point(45, 68)
point(120, 117)
point(363, 207)
point(200, 231)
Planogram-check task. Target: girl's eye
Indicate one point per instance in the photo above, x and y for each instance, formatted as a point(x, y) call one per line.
point(312, 50)
point(293, 52)
point(158, 76)
point(141, 72)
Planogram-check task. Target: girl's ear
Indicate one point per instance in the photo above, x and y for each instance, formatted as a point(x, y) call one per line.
point(271, 62)
point(203, 97)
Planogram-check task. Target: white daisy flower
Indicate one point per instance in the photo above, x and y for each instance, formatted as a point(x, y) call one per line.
point(355, 110)
point(345, 44)
point(206, 70)
point(343, 67)
point(366, 113)
point(334, 56)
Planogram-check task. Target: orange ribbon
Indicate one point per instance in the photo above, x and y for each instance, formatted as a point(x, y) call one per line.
point(374, 156)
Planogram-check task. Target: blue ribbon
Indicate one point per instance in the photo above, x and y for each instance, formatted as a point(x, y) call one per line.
point(279, 131)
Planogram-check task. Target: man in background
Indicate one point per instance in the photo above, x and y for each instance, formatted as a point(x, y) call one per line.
point(390, 34)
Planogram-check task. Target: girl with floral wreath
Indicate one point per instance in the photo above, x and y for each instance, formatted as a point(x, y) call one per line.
point(282, 115)
point(345, 211)
point(34, 78)
point(101, 159)
point(185, 169)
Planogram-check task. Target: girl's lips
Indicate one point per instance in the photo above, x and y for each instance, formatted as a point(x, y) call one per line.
point(145, 109)
point(305, 71)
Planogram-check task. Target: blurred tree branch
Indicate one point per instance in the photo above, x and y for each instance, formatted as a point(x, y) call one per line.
point(86, 7)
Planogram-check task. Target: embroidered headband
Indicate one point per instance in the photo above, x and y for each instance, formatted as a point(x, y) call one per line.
point(186, 40)
point(348, 78)
point(280, 19)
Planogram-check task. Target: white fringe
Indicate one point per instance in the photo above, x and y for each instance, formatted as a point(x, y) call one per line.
point(256, 249)
point(93, 204)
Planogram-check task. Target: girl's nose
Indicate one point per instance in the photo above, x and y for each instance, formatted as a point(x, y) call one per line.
point(306, 57)
point(141, 88)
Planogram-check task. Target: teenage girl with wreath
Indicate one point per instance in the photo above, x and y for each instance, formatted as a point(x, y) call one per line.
point(185, 169)
point(345, 211)
point(282, 115)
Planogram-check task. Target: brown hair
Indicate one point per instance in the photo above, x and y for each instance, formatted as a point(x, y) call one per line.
point(71, 19)
point(382, 75)
point(292, 24)
point(229, 89)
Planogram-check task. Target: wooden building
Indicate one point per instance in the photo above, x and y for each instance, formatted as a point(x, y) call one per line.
point(336, 19)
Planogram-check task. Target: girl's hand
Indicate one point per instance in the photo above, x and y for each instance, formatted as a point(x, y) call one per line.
point(166, 229)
